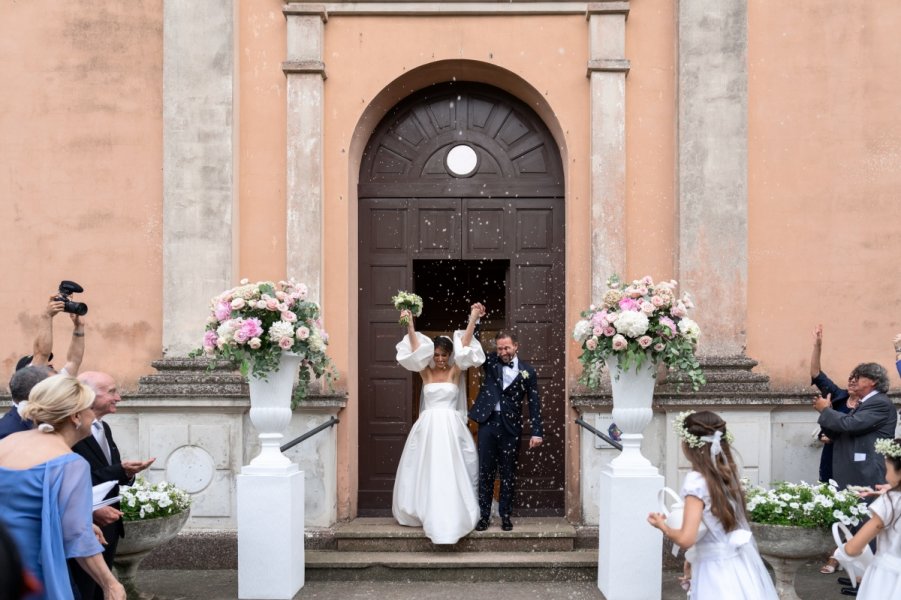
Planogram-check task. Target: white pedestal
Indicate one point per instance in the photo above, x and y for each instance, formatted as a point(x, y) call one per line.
point(630, 556)
point(270, 534)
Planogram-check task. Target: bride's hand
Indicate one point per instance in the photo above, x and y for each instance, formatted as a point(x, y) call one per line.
point(406, 314)
point(477, 310)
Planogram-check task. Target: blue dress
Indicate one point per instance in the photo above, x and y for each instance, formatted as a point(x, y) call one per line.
point(47, 510)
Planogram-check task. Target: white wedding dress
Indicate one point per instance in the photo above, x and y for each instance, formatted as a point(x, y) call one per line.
point(437, 476)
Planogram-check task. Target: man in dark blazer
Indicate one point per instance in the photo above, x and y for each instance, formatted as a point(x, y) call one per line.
point(102, 454)
point(19, 388)
point(854, 458)
point(498, 411)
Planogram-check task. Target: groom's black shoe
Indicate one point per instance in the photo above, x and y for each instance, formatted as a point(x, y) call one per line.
point(506, 524)
point(482, 525)
point(849, 591)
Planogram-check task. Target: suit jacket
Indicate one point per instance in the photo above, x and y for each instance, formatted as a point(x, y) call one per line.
point(13, 423)
point(492, 391)
point(854, 458)
point(103, 470)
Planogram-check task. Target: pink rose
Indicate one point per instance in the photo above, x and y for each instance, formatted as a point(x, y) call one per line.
point(659, 347)
point(678, 310)
point(302, 332)
point(285, 343)
point(609, 331)
point(591, 343)
point(611, 317)
point(289, 316)
point(645, 341)
point(238, 303)
point(280, 295)
point(619, 342)
point(271, 304)
point(598, 330)
point(223, 311)
point(646, 280)
point(648, 308)
point(254, 343)
point(241, 336)
point(302, 292)
point(658, 301)
point(261, 304)
point(209, 340)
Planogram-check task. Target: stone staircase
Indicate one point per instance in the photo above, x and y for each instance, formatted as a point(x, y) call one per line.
point(378, 549)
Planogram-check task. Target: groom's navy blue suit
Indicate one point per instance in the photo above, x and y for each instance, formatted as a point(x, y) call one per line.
point(500, 431)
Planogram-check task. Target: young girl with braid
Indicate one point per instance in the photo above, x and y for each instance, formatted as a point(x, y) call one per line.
point(725, 562)
point(883, 578)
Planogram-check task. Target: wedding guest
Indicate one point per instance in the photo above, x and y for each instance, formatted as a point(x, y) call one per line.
point(854, 460)
point(42, 354)
point(102, 454)
point(20, 385)
point(841, 401)
point(46, 489)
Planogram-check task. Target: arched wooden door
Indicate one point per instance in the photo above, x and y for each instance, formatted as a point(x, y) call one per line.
point(493, 212)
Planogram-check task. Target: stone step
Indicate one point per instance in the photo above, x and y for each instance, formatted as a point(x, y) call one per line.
point(332, 565)
point(383, 534)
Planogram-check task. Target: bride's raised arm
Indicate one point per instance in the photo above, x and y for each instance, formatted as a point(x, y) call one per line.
point(475, 313)
point(411, 329)
point(414, 350)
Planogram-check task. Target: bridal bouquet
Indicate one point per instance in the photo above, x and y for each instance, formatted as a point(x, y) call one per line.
point(804, 505)
point(407, 301)
point(639, 321)
point(252, 324)
point(143, 500)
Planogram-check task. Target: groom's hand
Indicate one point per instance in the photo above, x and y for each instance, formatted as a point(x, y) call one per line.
point(535, 441)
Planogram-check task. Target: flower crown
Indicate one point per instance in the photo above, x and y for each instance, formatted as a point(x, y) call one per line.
point(695, 441)
point(888, 447)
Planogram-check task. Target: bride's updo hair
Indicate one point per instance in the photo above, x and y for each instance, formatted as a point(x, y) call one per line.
point(443, 342)
point(55, 399)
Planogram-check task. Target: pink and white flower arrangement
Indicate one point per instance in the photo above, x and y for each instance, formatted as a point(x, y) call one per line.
point(253, 323)
point(639, 321)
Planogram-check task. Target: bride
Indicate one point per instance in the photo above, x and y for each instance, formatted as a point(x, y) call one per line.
point(436, 479)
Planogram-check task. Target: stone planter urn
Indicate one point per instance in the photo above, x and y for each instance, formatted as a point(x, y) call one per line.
point(633, 394)
point(270, 413)
point(141, 538)
point(786, 548)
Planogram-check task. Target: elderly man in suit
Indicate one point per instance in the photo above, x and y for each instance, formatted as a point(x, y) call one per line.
point(854, 460)
point(498, 411)
point(106, 463)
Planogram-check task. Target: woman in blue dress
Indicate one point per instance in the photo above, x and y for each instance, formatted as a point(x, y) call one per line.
point(46, 490)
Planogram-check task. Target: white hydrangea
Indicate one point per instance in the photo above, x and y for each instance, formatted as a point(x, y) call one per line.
point(631, 324)
point(582, 331)
point(689, 329)
point(280, 330)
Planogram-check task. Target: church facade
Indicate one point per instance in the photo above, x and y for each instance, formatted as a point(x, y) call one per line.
point(515, 153)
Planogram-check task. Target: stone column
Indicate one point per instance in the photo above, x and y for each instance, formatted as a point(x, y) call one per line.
point(198, 173)
point(306, 75)
point(607, 69)
point(713, 168)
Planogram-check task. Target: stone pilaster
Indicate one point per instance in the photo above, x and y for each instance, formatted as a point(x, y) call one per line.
point(607, 69)
point(305, 71)
point(713, 168)
point(199, 204)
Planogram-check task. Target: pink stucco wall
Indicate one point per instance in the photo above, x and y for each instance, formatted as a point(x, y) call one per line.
point(80, 176)
point(824, 179)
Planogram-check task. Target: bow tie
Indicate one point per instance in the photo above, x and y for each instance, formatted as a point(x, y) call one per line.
point(509, 364)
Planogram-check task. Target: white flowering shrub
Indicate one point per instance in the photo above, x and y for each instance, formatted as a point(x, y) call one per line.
point(804, 505)
point(144, 500)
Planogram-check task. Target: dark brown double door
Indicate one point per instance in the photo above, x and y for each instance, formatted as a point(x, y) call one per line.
point(454, 251)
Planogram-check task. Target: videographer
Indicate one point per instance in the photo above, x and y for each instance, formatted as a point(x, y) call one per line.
point(43, 342)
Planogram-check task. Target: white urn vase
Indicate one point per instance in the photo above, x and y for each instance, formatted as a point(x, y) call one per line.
point(633, 394)
point(270, 413)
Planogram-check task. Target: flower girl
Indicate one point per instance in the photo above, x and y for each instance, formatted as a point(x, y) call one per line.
point(883, 577)
point(725, 562)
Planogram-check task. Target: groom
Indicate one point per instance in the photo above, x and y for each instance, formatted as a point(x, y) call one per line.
point(498, 411)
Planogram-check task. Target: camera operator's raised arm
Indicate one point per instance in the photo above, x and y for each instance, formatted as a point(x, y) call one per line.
point(76, 347)
point(43, 342)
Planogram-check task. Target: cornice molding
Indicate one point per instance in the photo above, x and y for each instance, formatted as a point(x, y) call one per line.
point(304, 66)
point(456, 9)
